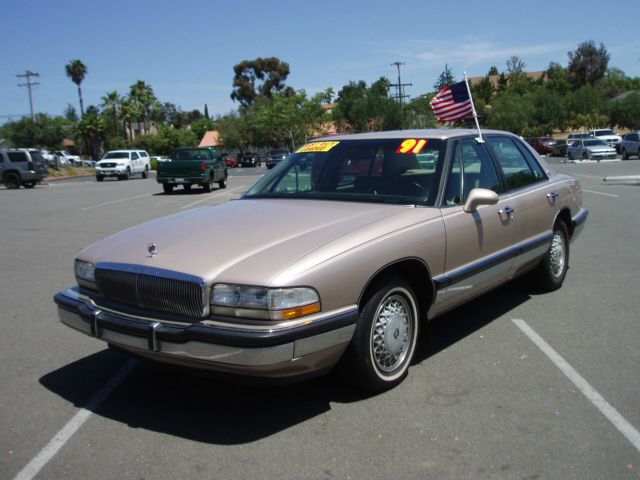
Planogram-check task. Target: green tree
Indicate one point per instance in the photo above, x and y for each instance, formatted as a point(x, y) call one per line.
point(493, 71)
point(111, 103)
point(588, 63)
point(235, 132)
point(201, 126)
point(70, 113)
point(444, 79)
point(483, 90)
point(511, 112)
point(515, 67)
point(206, 111)
point(45, 132)
point(142, 96)
point(260, 77)
point(557, 79)
point(76, 71)
point(366, 109)
point(91, 130)
point(626, 112)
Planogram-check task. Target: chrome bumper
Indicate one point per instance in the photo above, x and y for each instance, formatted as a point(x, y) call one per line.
point(297, 351)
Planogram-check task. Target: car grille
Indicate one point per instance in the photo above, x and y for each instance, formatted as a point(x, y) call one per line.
point(152, 292)
point(107, 165)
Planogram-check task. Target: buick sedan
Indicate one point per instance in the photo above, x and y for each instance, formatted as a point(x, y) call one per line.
point(335, 259)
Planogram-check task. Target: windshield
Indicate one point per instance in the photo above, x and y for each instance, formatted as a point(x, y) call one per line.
point(358, 170)
point(111, 155)
point(194, 154)
point(600, 133)
point(595, 143)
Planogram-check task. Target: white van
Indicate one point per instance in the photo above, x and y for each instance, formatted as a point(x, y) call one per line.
point(122, 164)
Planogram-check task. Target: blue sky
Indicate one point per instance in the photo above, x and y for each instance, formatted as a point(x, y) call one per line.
point(186, 50)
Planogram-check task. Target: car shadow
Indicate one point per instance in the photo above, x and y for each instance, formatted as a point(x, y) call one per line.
point(206, 408)
point(181, 191)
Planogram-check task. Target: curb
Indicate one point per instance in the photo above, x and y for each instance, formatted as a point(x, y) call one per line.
point(55, 179)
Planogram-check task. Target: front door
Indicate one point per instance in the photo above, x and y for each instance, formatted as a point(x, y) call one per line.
point(479, 244)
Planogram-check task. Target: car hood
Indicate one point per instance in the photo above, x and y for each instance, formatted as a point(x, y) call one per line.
point(254, 241)
point(601, 149)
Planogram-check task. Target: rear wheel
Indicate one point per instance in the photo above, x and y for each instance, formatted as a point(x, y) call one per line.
point(168, 188)
point(385, 338)
point(550, 274)
point(207, 186)
point(12, 181)
point(223, 183)
point(569, 156)
point(585, 156)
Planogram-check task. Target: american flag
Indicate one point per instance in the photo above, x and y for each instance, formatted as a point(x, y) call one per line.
point(452, 103)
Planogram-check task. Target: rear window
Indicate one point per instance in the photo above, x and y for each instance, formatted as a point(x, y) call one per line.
point(194, 154)
point(593, 143)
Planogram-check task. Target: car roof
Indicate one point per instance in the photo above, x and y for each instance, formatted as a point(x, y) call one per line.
point(441, 133)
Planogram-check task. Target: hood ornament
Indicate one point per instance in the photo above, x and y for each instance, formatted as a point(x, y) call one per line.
point(152, 248)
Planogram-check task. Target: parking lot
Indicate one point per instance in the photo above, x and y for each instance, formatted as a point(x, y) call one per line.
point(514, 385)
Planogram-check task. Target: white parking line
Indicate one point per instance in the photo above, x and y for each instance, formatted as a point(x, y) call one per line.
point(72, 426)
point(117, 201)
point(592, 395)
point(586, 176)
point(601, 193)
point(226, 192)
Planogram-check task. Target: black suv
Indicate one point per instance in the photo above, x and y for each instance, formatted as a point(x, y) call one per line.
point(276, 156)
point(22, 167)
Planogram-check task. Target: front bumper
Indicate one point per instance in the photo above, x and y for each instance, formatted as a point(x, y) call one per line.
point(296, 351)
point(110, 172)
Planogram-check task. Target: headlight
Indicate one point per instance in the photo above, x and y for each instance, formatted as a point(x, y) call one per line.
point(264, 303)
point(85, 274)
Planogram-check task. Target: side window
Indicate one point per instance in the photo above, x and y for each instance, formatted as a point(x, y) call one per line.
point(517, 171)
point(134, 156)
point(144, 154)
point(17, 157)
point(471, 168)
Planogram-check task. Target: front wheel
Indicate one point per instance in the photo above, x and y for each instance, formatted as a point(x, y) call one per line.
point(145, 174)
point(585, 156)
point(99, 178)
point(385, 338)
point(550, 274)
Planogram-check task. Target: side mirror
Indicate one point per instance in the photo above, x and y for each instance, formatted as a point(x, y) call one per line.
point(480, 196)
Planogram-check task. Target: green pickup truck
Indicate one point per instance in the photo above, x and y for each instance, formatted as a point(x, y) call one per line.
point(193, 166)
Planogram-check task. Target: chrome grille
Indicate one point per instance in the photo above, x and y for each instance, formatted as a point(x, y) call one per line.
point(108, 165)
point(155, 290)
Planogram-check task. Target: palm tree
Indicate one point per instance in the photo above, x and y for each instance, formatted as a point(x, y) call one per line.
point(112, 102)
point(76, 71)
point(143, 97)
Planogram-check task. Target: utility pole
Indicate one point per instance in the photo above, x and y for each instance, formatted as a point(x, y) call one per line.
point(400, 95)
point(28, 74)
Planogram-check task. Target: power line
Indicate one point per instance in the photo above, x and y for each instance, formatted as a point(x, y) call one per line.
point(28, 74)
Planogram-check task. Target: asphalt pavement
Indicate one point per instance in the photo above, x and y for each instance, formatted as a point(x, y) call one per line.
point(516, 384)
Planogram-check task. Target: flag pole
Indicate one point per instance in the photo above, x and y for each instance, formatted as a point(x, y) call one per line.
point(473, 109)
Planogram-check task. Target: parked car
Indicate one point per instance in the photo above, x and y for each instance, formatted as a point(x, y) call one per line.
point(542, 145)
point(358, 247)
point(122, 164)
point(559, 149)
point(250, 159)
point(229, 160)
point(608, 136)
point(276, 156)
point(22, 167)
point(576, 136)
point(630, 145)
point(590, 149)
point(65, 157)
point(201, 166)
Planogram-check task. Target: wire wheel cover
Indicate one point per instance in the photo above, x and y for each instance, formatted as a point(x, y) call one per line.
point(392, 333)
point(557, 255)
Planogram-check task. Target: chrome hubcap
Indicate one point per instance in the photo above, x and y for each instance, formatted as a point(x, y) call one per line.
point(392, 333)
point(557, 255)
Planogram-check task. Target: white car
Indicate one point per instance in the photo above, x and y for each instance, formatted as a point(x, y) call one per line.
point(122, 164)
point(608, 136)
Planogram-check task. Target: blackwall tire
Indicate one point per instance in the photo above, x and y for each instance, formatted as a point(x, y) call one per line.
point(12, 181)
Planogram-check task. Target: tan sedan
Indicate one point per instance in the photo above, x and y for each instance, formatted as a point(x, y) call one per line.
point(335, 258)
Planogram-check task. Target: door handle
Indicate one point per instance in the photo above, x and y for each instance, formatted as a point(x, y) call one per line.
point(506, 211)
point(552, 195)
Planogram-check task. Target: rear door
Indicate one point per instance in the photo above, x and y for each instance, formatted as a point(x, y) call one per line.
point(533, 198)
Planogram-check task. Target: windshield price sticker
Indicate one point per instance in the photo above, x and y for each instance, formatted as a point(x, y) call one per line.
point(317, 147)
point(412, 145)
